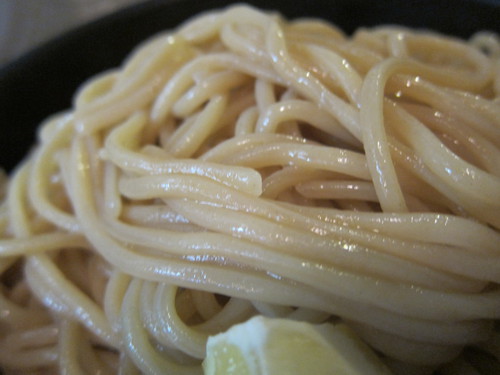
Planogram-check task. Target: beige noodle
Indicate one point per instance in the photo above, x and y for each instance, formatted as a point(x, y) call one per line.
point(246, 164)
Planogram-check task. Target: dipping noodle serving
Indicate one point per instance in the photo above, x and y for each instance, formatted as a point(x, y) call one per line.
point(246, 164)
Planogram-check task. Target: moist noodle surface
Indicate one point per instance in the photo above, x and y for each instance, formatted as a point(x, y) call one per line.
point(246, 164)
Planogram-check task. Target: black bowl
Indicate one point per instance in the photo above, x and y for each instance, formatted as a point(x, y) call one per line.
point(43, 81)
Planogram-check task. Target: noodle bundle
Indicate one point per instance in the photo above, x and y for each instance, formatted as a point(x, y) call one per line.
point(247, 164)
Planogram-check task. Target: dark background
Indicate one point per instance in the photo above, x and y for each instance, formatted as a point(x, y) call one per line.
point(43, 81)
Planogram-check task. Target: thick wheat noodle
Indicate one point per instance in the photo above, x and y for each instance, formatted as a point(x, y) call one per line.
point(245, 164)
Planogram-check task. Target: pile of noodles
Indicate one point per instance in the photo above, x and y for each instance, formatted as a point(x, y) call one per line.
point(245, 164)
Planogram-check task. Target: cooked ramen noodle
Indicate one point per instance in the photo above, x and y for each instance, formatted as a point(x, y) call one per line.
point(247, 164)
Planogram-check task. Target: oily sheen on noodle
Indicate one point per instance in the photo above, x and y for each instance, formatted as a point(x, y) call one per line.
point(247, 164)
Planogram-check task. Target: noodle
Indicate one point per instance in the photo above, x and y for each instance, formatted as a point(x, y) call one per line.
point(245, 164)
